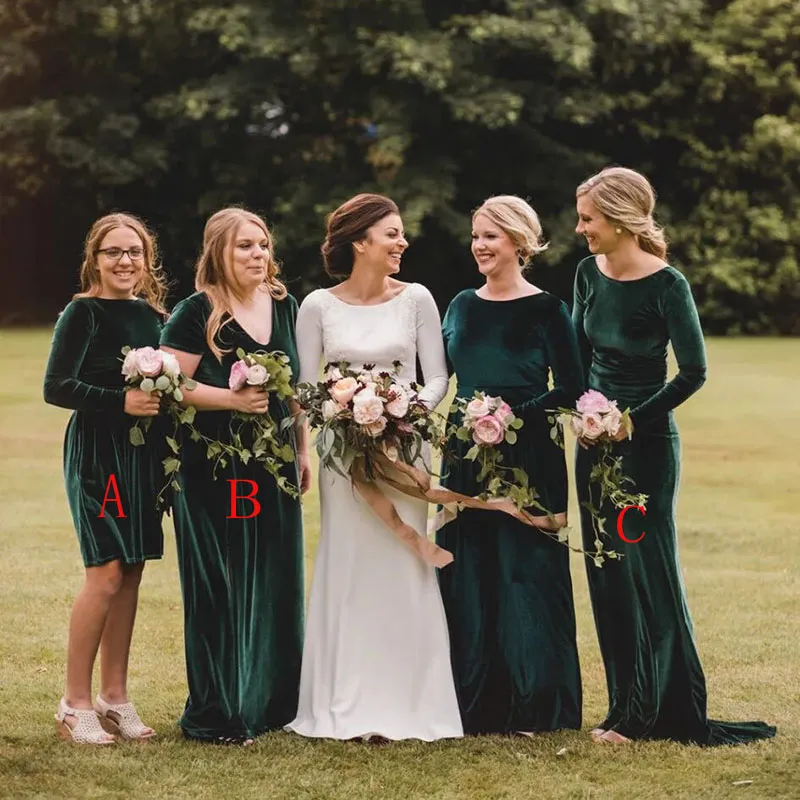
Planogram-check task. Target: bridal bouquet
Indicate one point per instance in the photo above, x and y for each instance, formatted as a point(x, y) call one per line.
point(155, 371)
point(367, 416)
point(598, 421)
point(257, 436)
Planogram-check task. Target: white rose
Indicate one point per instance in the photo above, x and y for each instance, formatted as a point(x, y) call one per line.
point(398, 405)
point(130, 366)
point(149, 361)
point(367, 408)
point(257, 375)
point(478, 407)
point(171, 365)
point(611, 421)
point(330, 408)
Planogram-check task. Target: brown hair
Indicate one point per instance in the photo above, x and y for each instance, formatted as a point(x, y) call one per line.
point(349, 223)
point(626, 198)
point(152, 287)
point(210, 276)
point(518, 221)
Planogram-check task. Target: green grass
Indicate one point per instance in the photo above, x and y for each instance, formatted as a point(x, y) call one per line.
point(738, 528)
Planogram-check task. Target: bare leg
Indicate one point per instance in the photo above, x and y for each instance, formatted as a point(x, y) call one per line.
point(115, 644)
point(89, 612)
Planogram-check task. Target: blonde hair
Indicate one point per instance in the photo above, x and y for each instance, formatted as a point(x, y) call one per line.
point(151, 287)
point(626, 199)
point(210, 276)
point(518, 221)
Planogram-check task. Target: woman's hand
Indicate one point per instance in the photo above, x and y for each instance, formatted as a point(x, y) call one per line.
point(304, 471)
point(250, 400)
point(141, 404)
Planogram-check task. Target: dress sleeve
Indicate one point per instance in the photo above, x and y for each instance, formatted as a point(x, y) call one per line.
point(185, 330)
point(62, 386)
point(309, 338)
point(561, 344)
point(430, 349)
point(578, 311)
point(447, 331)
point(686, 336)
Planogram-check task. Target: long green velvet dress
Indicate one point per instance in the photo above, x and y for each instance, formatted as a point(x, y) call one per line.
point(242, 579)
point(508, 594)
point(84, 373)
point(656, 686)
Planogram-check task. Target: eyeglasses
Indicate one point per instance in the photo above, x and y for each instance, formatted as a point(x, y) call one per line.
point(116, 253)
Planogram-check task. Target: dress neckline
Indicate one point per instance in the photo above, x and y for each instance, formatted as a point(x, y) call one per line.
point(632, 280)
point(510, 299)
point(371, 305)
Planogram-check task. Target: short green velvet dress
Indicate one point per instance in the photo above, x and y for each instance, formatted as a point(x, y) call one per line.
point(242, 579)
point(84, 373)
point(656, 686)
point(508, 594)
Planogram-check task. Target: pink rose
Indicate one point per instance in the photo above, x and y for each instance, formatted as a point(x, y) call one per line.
point(375, 429)
point(593, 402)
point(130, 366)
point(398, 405)
point(149, 361)
point(504, 414)
point(487, 431)
point(592, 426)
point(477, 407)
point(367, 408)
point(238, 377)
point(343, 390)
point(612, 421)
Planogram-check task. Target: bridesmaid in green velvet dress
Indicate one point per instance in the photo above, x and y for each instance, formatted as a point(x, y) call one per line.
point(111, 485)
point(508, 594)
point(629, 304)
point(241, 575)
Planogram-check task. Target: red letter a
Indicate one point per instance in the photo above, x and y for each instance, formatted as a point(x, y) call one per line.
point(251, 497)
point(112, 483)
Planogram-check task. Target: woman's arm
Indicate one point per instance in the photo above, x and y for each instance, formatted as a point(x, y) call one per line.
point(430, 349)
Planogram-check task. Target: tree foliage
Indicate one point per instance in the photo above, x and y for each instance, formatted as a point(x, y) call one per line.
point(173, 108)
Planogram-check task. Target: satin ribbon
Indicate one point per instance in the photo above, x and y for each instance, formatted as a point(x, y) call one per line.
point(414, 482)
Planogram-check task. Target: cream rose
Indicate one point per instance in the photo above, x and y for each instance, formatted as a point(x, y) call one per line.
point(257, 375)
point(398, 405)
point(171, 365)
point(612, 421)
point(333, 374)
point(375, 429)
point(330, 408)
point(367, 408)
point(130, 366)
point(477, 408)
point(592, 426)
point(343, 390)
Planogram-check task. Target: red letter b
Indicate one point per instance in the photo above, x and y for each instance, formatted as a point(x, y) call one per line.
point(251, 497)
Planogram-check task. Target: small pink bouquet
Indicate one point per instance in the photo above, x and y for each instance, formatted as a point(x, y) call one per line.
point(597, 421)
point(157, 372)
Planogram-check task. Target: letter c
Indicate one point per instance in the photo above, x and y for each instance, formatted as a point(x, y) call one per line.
point(642, 510)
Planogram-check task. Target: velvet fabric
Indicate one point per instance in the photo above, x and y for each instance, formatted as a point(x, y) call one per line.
point(84, 373)
point(656, 686)
point(241, 578)
point(508, 594)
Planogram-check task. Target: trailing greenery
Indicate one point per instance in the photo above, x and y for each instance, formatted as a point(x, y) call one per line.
point(174, 108)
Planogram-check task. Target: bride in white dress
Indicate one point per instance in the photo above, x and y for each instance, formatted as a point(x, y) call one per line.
point(376, 660)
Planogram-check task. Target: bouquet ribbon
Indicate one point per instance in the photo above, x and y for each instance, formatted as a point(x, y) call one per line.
point(416, 483)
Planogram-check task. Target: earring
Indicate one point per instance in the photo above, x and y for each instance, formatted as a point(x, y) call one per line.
point(618, 230)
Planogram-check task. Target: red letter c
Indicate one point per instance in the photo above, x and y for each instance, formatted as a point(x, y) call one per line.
point(642, 510)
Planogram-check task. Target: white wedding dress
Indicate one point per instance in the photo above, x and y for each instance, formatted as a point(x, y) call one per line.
point(376, 660)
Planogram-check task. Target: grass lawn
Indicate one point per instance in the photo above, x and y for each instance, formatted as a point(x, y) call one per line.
point(738, 526)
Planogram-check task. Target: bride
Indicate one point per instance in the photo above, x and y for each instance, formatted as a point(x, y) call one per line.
point(376, 661)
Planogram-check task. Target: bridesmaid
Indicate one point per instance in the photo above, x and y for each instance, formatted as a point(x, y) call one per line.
point(241, 576)
point(111, 485)
point(629, 304)
point(508, 595)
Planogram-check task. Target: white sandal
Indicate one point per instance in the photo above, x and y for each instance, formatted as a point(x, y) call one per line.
point(122, 720)
point(87, 730)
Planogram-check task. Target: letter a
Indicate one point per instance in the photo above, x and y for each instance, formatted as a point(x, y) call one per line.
point(642, 510)
point(112, 483)
point(251, 497)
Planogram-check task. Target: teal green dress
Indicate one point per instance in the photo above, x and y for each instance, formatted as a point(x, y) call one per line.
point(84, 373)
point(656, 686)
point(241, 578)
point(508, 594)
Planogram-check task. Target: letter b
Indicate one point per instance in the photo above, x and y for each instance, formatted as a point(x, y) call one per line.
point(251, 497)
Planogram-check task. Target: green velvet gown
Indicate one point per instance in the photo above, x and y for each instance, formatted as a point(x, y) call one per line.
point(656, 686)
point(84, 374)
point(508, 594)
point(242, 579)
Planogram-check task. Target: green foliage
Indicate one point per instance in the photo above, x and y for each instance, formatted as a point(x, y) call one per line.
point(173, 109)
